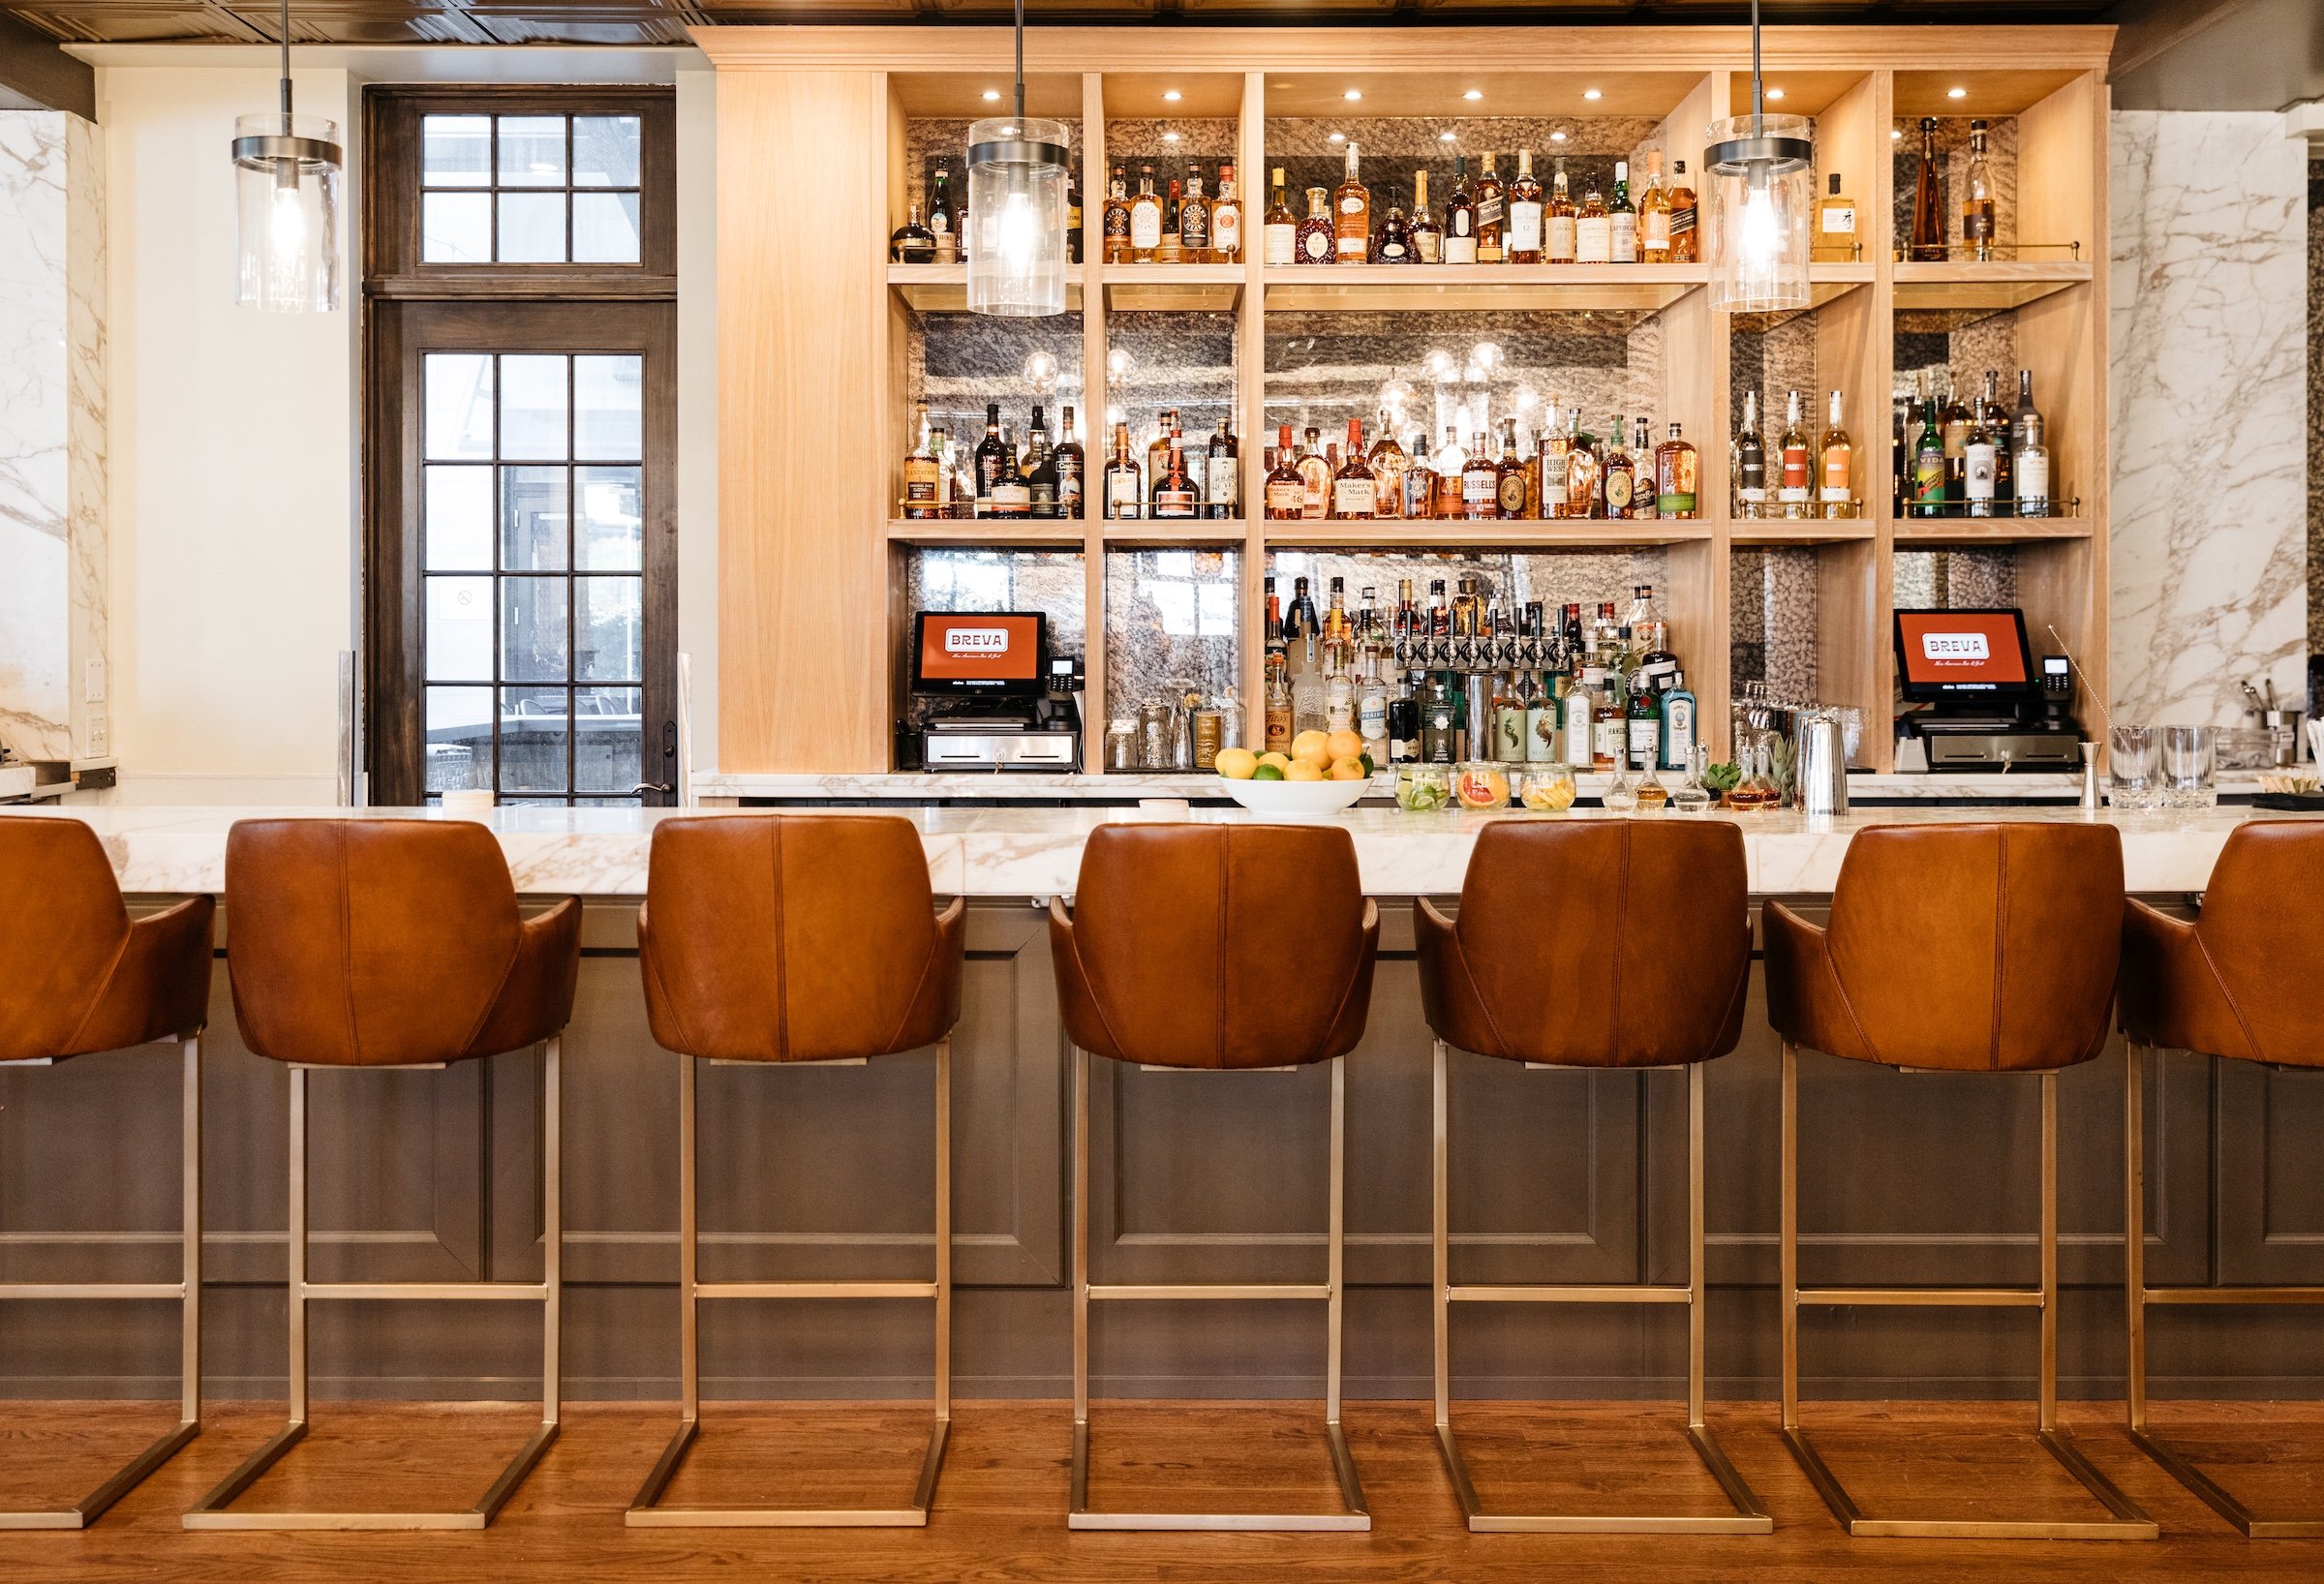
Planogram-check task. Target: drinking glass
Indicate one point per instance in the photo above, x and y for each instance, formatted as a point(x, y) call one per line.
point(2189, 754)
point(2133, 769)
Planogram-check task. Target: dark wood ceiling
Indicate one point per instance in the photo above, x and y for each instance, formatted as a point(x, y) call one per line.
point(665, 21)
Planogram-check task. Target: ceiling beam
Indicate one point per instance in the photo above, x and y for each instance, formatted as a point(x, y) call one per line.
point(37, 74)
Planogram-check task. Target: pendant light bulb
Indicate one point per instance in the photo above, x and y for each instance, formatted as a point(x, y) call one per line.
point(1761, 169)
point(286, 170)
point(1016, 201)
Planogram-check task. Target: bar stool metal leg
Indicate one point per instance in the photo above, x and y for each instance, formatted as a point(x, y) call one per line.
point(644, 1512)
point(1078, 1513)
point(2182, 1467)
point(187, 1290)
point(1748, 1516)
point(2126, 1523)
point(213, 1510)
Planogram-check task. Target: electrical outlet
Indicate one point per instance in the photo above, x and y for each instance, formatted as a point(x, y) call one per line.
point(99, 737)
point(92, 689)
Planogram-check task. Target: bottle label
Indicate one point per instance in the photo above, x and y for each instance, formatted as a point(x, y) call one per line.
point(920, 479)
point(1121, 487)
point(1605, 740)
point(1459, 248)
point(1839, 221)
point(1928, 476)
point(1480, 490)
point(1525, 227)
point(1617, 491)
point(1118, 223)
point(1675, 503)
point(1315, 248)
point(1351, 497)
point(1429, 245)
point(1645, 741)
point(1541, 733)
point(1654, 229)
point(1225, 229)
point(1488, 213)
point(1593, 242)
point(1278, 241)
point(1512, 495)
point(1044, 498)
point(2032, 478)
point(1286, 500)
point(1835, 475)
point(1678, 730)
point(1578, 731)
point(1170, 503)
point(1794, 484)
point(1145, 226)
point(1560, 238)
point(1394, 251)
point(1352, 249)
point(1221, 476)
point(1977, 472)
point(1682, 222)
point(1976, 225)
point(1194, 227)
point(1625, 238)
point(1371, 717)
point(1553, 490)
point(1012, 499)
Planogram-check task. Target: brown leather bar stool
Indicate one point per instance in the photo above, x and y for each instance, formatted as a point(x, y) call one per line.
point(77, 975)
point(1177, 954)
point(393, 943)
point(797, 938)
point(1608, 944)
point(1953, 949)
point(2241, 983)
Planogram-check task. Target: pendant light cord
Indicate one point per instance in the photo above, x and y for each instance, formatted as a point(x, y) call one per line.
point(286, 66)
point(1758, 102)
point(1019, 63)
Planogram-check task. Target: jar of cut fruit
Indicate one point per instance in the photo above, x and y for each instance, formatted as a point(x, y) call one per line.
point(1548, 790)
point(1422, 788)
point(1480, 783)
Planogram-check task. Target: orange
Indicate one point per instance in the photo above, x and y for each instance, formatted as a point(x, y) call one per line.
point(1347, 769)
point(1313, 746)
point(1344, 744)
point(1303, 770)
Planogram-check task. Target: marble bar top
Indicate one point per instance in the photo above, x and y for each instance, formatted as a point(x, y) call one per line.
point(908, 786)
point(1035, 853)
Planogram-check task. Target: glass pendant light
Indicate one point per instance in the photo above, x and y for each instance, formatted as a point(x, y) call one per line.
point(1016, 209)
point(287, 206)
point(1762, 171)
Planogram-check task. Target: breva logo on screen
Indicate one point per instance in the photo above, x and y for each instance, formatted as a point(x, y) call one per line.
point(1955, 646)
point(976, 640)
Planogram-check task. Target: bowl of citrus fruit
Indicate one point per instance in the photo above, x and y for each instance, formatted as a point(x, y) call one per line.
point(1323, 773)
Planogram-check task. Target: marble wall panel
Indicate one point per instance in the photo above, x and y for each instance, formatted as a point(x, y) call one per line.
point(2315, 415)
point(2210, 389)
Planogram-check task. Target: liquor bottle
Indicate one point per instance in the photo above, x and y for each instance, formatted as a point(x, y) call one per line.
point(1389, 465)
point(1684, 242)
point(1316, 244)
point(1493, 216)
point(1460, 217)
point(1157, 449)
point(1073, 217)
point(1174, 494)
point(1278, 701)
point(1751, 462)
point(1286, 490)
point(913, 242)
point(1427, 237)
point(1071, 467)
point(1279, 230)
point(1654, 215)
point(1609, 715)
point(1555, 443)
point(1479, 483)
point(1677, 735)
point(1928, 213)
point(1040, 471)
point(1618, 481)
point(1593, 229)
point(1222, 477)
point(1509, 486)
point(1584, 495)
point(1125, 492)
point(1956, 442)
point(922, 472)
point(1978, 454)
point(1677, 477)
point(1644, 498)
point(1996, 421)
point(1447, 466)
point(1835, 227)
point(1794, 476)
point(1146, 219)
point(943, 220)
point(1194, 219)
point(1371, 706)
point(1644, 718)
point(1420, 482)
point(1226, 217)
point(1524, 213)
point(1172, 251)
point(1115, 221)
point(1352, 487)
point(993, 460)
point(1927, 464)
point(1978, 219)
point(1837, 465)
point(1012, 493)
point(1393, 243)
point(1558, 238)
point(1440, 616)
point(1900, 457)
point(1299, 620)
point(1315, 478)
point(2030, 465)
point(1351, 215)
point(1649, 638)
point(1621, 219)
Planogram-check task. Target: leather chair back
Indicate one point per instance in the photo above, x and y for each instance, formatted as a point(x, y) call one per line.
point(387, 942)
point(796, 937)
point(1596, 943)
point(76, 975)
point(1971, 948)
point(1216, 945)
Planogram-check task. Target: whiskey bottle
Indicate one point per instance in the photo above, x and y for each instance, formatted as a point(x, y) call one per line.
point(1286, 488)
point(1146, 219)
point(1792, 481)
point(1420, 483)
point(943, 220)
point(1222, 499)
point(1593, 229)
point(913, 243)
point(1393, 243)
point(1479, 483)
point(1194, 219)
point(1585, 494)
point(1175, 497)
point(1352, 212)
point(1278, 701)
point(1491, 217)
point(1617, 473)
point(1352, 487)
point(1279, 230)
point(1071, 468)
point(1116, 220)
point(1977, 218)
point(1508, 484)
point(1172, 251)
point(1525, 213)
point(1677, 477)
point(1460, 216)
point(1555, 443)
point(1450, 464)
point(1315, 479)
point(1654, 216)
point(1040, 471)
point(922, 472)
point(1622, 221)
point(1316, 234)
point(1928, 212)
point(1997, 423)
point(1645, 502)
point(993, 461)
point(1126, 494)
point(1389, 465)
point(1837, 465)
point(1835, 227)
point(1685, 243)
point(1956, 442)
point(1751, 462)
point(1558, 239)
point(1157, 449)
point(1428, 237)
point(1226, 217)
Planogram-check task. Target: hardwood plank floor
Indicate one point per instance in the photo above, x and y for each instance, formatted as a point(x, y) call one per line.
point(1001, 1506)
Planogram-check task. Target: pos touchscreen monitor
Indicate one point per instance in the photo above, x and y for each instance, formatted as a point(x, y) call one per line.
point(1950, 656)
point(993, 654)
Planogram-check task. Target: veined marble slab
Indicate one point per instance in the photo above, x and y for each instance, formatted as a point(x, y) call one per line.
point(1035, 853)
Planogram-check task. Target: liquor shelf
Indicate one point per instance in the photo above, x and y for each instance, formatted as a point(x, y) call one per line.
point(1994, 284)
point(943, 289)
point(1371, 288)
point(1990, 530)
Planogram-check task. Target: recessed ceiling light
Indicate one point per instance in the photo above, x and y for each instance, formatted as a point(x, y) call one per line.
point(1775, 93)
point(1337, 137)
point(1474, 93)
point(1446, 137)
point(1170, 137)
point(1956, 93)
point(1557, 137)
point(992, 94)
point(1591, 93)
point(1353, 94)
point(1171, 94)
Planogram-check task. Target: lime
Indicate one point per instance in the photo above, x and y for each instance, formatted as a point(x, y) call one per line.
point(1267, 773)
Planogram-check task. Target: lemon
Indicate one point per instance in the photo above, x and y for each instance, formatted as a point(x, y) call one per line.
point(1267, 773)
point(1303, 770)
point(1279, 760)
point(1237, 764)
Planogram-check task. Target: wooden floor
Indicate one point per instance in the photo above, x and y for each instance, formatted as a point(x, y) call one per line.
point(1001, 1504)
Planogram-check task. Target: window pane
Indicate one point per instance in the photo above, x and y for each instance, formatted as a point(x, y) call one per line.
point(455, 229)
point(609, 527)
point(605, 150)
point(533, 407)
point(604, 227)
point(459, 635)
point(605, 739)
point(533, 227)
point(532, 630)
point(532, 151)
point(459, 397)
point(532, 519)
point(459, 518)
point(608, 393)
point(611, 637)
point(459, 745)
point(455, 150)
point(534, 735)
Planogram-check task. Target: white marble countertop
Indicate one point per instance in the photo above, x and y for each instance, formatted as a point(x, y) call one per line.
point(1035, 853)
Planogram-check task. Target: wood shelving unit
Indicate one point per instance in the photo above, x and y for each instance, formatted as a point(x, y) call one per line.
point(807, 352)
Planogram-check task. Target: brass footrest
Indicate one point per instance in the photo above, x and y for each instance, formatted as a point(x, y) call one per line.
point(1356, 1519)
point(642, 1513)
point(212, 1510)
point(2222, 1501)
point(1748, 1518)
point(85, 1511)
point(2126, 1523)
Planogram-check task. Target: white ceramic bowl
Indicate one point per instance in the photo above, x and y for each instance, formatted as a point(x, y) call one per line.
point(1296, 797)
